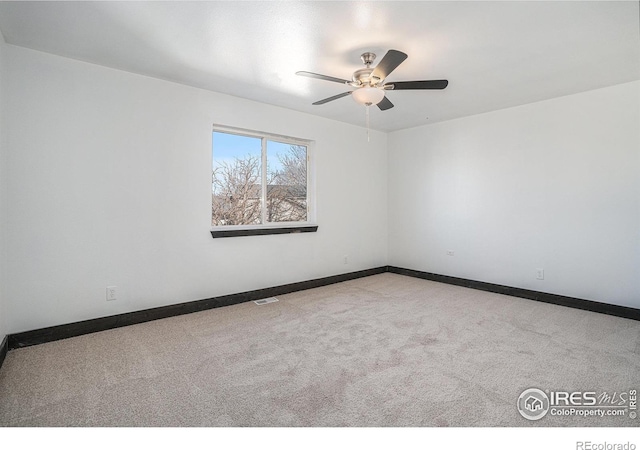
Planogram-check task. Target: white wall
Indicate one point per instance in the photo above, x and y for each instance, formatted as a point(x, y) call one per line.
point(109, 184)
point(3, 309)
point(552, 185)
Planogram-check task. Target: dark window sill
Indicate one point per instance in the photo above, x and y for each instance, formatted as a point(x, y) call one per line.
point(263, 231)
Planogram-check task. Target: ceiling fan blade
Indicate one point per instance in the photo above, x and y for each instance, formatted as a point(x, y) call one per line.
point(391, 60)
point(427, 84)
point(385, 104)
point(321, 77)
point(335, 97)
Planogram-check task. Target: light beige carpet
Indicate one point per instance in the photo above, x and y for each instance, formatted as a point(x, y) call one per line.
point(386, 350)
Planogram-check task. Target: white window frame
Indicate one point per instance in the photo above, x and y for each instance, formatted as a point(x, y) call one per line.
point(311, 185)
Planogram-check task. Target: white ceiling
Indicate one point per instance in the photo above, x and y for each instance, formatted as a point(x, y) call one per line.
point(494, 54)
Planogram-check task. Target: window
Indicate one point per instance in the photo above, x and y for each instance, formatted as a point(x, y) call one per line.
point(260, 184)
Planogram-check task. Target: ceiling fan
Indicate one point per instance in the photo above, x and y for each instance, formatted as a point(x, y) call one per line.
point(369, 83)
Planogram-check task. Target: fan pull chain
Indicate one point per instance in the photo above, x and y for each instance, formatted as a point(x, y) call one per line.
point(368, 138)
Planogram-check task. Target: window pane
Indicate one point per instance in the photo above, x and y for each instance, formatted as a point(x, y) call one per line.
point(286, 182)
point(236, 180)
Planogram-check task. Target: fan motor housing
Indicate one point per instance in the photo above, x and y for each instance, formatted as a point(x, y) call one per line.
point(362, 77)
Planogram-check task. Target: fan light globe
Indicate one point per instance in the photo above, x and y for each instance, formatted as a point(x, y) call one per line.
point(368, 95)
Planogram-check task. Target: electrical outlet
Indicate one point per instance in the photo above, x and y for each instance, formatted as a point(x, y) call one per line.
point(112, 293)
point(450, 253)
point(345, 259)
point(539, 274)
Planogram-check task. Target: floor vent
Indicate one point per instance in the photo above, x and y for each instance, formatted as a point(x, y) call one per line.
point(264, 301)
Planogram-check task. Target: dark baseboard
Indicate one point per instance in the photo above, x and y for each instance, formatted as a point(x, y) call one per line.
point(4, 348)
point(588, 305)
point(58, 332)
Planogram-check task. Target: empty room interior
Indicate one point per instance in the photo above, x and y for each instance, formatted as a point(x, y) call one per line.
point(319, 214)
